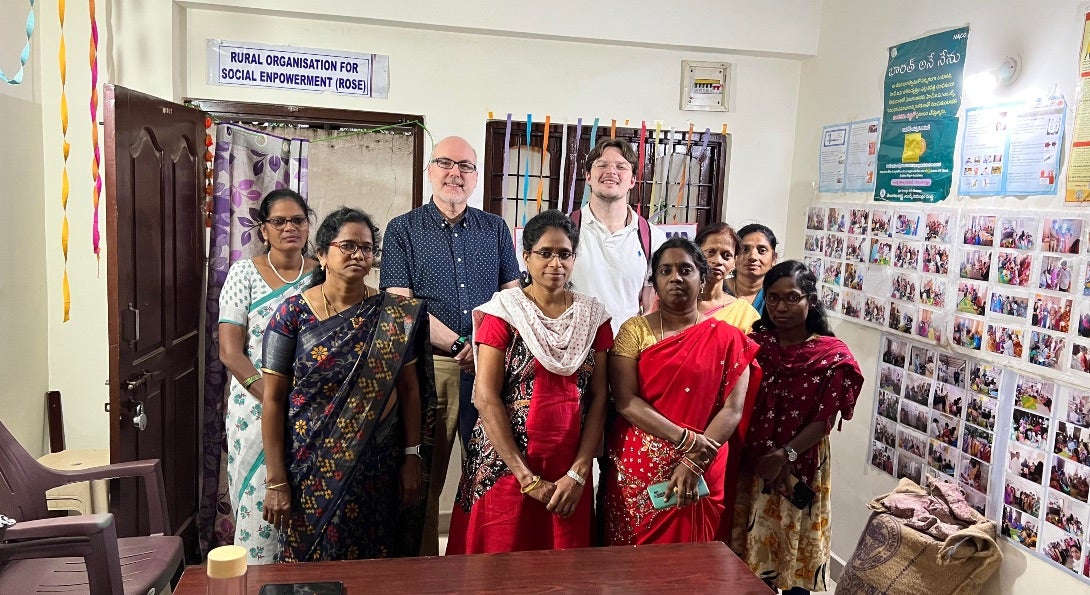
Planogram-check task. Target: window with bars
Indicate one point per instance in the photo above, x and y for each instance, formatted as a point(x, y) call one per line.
point(682, 180)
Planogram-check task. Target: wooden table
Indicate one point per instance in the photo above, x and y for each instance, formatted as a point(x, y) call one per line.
point(673, 568)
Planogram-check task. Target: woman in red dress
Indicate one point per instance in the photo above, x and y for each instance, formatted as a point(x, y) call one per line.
point(541, 392)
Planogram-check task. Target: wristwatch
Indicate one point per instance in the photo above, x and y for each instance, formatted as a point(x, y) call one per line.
point(457, 346)
point(413, 450)
point(792, 454)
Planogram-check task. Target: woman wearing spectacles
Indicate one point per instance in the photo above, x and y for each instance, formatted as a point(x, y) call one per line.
point(252, 291)
point(541, 393)
point(781, 519)
point(349, 407)
point(680, 381)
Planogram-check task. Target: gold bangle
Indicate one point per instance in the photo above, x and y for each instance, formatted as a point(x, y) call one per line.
point(532, 485)
point(250, 381)
point(276, 486)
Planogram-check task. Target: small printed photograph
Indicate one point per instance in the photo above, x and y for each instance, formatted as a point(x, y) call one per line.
point(1067, 514)
point(1027, 463)
point(885, 431)
point(980, 411)
point(953, 370)
point(832, 272)
point(911, 442)
point(943, 457)
point(1018, 232)
point(929, 324)
point(837, 220)
point(1004, 340)
point(921, 360)
point(1083, 325)
point(903, 287)
point(974, 473)
point(1070, 478)
point(894, 352)
point(984, 378)
point(815, 218)
point(1080, 358)
point(914, 416)
point(1072, 443)
point(851, 303)
point(1086, 280)
point(1061, 235)
point(938, 227)
point(1078, 409)
point(977, 500)
point(945, 429)
point(1023, 495)
point(933, 292)
point(881, 457)
point(1034, 395)
point(880, 223)
point(901, 317)
point(972, 297)
point(891, 378)
point(815, 264)
point(834, 245)
point(856, 249)
point(880, 251)
point(918, 389)
point(830, 298)
point(874, 310)
point(906, 224)
point(1046, 350)
point(906, 255)
point(1056, 274)
point(1005, 303)
point(910, 467)
point(853, 275)
point(815, 242)
point(935, 259)
point(1020, 527)
point(1030, 428)
point(1013, 268)
point(1061, 547)
point(968, 332)
point(888, 404)
point(1051, 312)
point(857, 221)
point(979, 231)
point(948, 399)
point(975, 264)
point(932, 476)
point(977, 442)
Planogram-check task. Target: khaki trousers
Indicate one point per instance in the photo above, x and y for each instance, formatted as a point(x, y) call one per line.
point(447, 383)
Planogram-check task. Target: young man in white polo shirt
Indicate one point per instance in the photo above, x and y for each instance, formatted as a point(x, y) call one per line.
point(613, 260)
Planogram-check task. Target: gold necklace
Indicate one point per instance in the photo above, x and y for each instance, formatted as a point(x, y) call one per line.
point(328, 306)
point(682, 329)
point(569, 299)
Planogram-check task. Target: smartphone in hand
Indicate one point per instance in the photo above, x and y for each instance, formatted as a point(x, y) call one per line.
point(661, 499)
point(801, 495)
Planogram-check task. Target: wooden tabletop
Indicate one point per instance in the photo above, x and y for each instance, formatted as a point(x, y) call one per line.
point(674, 568)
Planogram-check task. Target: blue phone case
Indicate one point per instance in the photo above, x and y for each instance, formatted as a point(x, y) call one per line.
point(660, 499)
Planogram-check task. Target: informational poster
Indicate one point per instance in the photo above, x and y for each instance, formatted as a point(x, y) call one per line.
point(919, 124)
point(833, 158)
point(1078, 169)
point(859, 173)
point(245, 64)
point(1012, 149)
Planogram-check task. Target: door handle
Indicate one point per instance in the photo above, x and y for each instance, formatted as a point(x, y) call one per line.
point(132, 330)
point(141, 380)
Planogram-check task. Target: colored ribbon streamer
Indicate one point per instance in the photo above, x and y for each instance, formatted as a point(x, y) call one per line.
point(593, 141)
point(684, 171)
point(541, 170)
point(96, 161)
point(24, 56)
point(668, 156)
point(613, 129)
point(63, 61)
point(506, 162)
point(639, 170)
point(654, 173)
point(526, 169)
point(575, 165)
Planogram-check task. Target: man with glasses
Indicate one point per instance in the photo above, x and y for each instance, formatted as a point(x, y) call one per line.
point(615, 243)
point(455, 257)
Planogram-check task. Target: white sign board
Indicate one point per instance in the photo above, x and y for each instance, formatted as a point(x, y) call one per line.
point(243, 64)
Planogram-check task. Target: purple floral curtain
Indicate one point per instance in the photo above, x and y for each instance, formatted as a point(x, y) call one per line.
point(248, 164)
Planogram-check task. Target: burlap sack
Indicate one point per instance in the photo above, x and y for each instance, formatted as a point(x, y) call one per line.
point(893, 558)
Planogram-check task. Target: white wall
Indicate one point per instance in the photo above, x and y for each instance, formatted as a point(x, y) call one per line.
point(844, 82)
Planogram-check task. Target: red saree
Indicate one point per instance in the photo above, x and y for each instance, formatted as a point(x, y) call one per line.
point(687, 378)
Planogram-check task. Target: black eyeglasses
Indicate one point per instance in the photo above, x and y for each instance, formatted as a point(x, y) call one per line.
point(563, 255)
point(349, 248)
point(466, 167)
point(792, 299)
point(280, 222)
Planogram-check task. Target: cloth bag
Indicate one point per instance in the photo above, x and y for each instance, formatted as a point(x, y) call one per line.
point(922, 541)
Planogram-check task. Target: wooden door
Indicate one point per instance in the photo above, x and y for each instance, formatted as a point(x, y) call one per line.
point(154, 230)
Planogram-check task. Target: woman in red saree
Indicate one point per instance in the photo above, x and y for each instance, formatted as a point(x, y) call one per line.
point(680, 381)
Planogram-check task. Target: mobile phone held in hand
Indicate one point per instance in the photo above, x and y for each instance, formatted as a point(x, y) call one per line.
point(328, 588)
point(802, 495)
point(661, 499)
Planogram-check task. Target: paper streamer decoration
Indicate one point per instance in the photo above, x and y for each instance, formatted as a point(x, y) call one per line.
point(544, 156)
point(613, 129)
point(24, 56)
point(684, 171)
point(593, 141)
point(575, 164)
point(506, 162)
point(96, 175)
point(654, 174)
point(526, 169)
point(668, 157)
point(62, 61)
point(639, 170)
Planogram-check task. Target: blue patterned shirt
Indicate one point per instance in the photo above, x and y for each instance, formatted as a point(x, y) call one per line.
point(455, 268)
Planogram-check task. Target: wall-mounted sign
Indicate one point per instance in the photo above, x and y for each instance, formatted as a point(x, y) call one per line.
point(244, 64)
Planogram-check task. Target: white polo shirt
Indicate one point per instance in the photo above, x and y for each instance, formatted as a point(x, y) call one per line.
point(612, 266)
